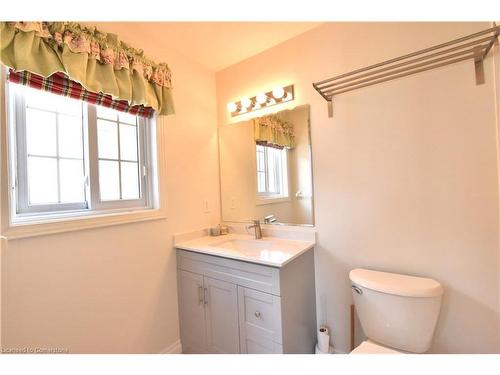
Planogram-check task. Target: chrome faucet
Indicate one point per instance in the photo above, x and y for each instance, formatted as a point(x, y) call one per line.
point(258, 229)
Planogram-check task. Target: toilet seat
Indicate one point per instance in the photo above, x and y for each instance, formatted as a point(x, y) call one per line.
point(369, 347)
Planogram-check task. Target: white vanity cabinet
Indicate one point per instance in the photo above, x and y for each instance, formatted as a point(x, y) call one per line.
point(233, 306)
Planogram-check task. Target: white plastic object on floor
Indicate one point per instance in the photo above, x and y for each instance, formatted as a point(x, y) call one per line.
point(317, 351)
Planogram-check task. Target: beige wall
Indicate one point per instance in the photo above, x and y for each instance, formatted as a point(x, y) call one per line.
point(300, 166)
point(3, 242)
point(405, 172)
point(496, 61)
point(113, 290)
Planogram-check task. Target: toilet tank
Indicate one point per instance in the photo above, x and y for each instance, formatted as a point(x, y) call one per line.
point(396, 310)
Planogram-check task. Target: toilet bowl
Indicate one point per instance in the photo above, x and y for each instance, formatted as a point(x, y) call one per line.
point(398, 313)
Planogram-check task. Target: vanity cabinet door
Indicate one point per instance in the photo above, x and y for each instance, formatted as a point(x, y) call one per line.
point(191, 312)
point(221, 309)
point(260, 322)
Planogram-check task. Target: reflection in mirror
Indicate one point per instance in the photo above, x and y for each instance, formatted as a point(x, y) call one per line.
point(266, 170)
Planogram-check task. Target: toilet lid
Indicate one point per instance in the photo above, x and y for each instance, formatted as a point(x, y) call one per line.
point(369, 347)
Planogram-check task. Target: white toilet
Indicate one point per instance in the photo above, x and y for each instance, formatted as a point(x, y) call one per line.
point(398, 313)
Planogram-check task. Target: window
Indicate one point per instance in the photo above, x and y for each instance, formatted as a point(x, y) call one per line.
point(118, 139)
point(272, 172)
point(73, 157)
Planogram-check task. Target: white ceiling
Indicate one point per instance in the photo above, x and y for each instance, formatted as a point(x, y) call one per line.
point(215, 45)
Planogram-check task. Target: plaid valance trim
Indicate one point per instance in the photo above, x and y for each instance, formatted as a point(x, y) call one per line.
point(267, 144)
point(59, 83)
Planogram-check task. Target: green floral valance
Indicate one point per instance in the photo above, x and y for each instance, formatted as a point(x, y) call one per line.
point(273, 131)
point(97, 60)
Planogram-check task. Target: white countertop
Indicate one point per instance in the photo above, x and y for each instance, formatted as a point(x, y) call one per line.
point(269, 251)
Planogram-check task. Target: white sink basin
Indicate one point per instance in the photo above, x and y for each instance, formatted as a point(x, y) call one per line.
point(268, 250)
point(272, 251)
point(250, 245)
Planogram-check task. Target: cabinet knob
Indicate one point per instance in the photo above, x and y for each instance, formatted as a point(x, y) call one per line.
point(257, 314)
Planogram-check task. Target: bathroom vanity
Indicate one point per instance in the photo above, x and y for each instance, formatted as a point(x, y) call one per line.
point(241, 295)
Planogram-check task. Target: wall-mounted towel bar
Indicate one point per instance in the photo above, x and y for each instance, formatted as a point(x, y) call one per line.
point(475, 47)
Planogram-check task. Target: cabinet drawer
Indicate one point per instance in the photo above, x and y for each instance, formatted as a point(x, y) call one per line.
point(255, 276)
point(260, 320)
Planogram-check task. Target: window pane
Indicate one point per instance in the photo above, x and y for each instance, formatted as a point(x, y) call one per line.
point(70, 137)
point(68, 106)
point(130, 180)
point(261, 182)
point(128, 142)
point(42, 180)
point(109, 180)
point(271, 167)
point(106, 113)
point(260, 162)
point(127, 118)
point(277, 175)
point(107, 139)
point(40, 132)
point(40, 99)
point(71, 178)
point(52, 102)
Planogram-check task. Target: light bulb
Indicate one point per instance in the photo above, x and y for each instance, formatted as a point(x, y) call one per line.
point(246, 103)
point(261, 98)
point(232, 107)
point(278, 92)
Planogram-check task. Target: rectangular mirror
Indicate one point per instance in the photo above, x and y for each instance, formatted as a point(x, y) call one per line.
point(266, 169)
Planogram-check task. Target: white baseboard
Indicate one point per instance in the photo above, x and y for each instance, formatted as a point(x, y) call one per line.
point(175, 348)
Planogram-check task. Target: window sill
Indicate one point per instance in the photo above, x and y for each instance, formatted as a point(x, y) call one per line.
point(271, 200)
point(44, 227)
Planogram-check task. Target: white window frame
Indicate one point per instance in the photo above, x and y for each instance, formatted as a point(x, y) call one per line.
point(281, 178)
point(14, 225)
point(21, 162)
point(144, 162)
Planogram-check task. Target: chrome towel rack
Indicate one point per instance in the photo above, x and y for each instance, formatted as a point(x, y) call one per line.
point(474, 46)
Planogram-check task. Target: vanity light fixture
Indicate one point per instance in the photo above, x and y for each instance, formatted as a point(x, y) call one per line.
point(288, 97)
point(278, 92)
point(246, 102)
point(232, 107)
point(262, 100)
